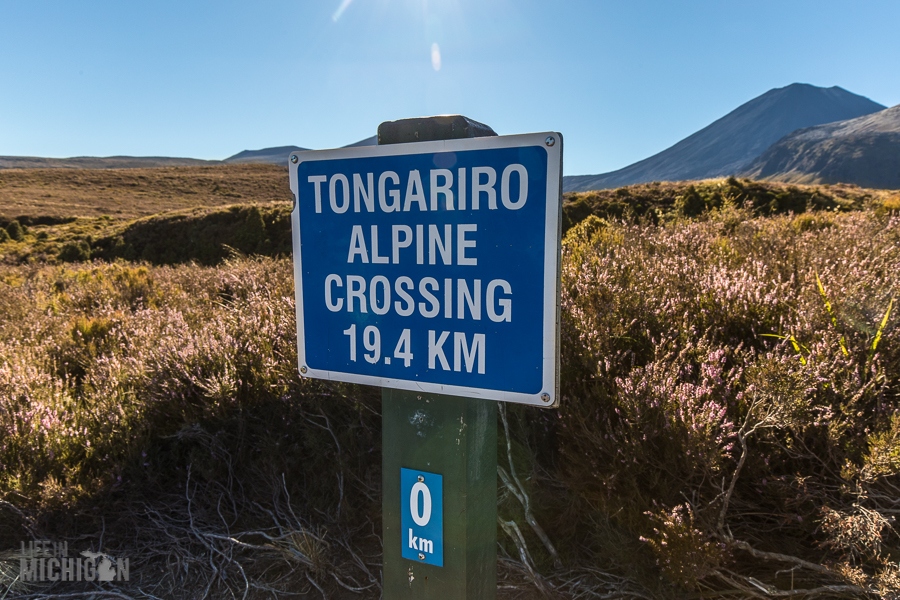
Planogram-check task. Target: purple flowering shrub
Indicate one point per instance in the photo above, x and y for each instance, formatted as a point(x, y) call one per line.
point(724, 422)
point(97, 361)
point(161, 396)
point(686, 554)
point(713, 395)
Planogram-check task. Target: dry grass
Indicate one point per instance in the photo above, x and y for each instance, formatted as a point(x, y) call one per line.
point(130, 193)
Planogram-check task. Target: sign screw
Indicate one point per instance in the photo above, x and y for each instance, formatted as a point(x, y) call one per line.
point(549, 141)
point(546, 397)
point(303, 369)
point(420, 478)
point(421, 556)
point(294, 158)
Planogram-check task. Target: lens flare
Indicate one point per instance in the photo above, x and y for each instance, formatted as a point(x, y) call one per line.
point(436, 57)
point(337, 14)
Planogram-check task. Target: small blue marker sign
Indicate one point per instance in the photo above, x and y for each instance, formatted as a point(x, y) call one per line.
point(422, 516)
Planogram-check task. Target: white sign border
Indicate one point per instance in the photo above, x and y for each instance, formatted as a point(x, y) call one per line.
point(552, 239)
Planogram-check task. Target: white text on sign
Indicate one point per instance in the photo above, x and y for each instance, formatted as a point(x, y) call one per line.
point(442, 187)
point(420, 244)
point(464, 353)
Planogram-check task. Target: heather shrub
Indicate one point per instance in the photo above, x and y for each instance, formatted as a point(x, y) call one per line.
point(730, 418)
point(702, 361)
point(686, 554)
point(167, 395)
point(150, 351)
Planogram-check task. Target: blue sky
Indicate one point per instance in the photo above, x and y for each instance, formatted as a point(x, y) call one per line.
point(620, 80)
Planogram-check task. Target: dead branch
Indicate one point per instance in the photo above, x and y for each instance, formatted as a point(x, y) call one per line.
point(515, 486)
point(513, 531)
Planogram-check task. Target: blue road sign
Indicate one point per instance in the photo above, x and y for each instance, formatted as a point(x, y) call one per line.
point(431, 266)
point(422, 516)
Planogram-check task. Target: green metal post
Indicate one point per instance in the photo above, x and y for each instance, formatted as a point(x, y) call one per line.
point(457, 439)
point(451, 436)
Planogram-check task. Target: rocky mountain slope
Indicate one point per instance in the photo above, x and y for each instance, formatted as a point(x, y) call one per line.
point(728, 145)
point(864, 151)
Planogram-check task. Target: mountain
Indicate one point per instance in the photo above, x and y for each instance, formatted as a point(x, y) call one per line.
point(864, 151)
point(728, 145)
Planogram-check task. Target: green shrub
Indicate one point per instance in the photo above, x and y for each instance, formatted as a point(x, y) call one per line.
point(811, 222)
point(890, 205)
point(4, 237)
point(650, 203)
point(575, 212)
point(206, 236)
point(15, 231)
point(690, 204)
point(75, 252)
point(251, 235)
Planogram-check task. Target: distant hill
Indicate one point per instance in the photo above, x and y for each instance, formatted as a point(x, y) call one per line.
point(277, 155)
point(864, 151)
point(94, 162)
point(728, 145)
point(369, 141)
point(280, 154)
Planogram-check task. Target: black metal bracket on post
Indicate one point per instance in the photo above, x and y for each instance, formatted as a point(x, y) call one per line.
point(429, 129)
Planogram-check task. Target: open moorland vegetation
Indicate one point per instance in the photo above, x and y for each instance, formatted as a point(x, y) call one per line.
point(730, 421)
point(129, 193)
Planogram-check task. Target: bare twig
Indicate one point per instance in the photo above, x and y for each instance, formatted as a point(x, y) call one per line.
point(515, 486)
point(720, 525)
point(781, 557)
point(27, 521)
point(513, 531)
